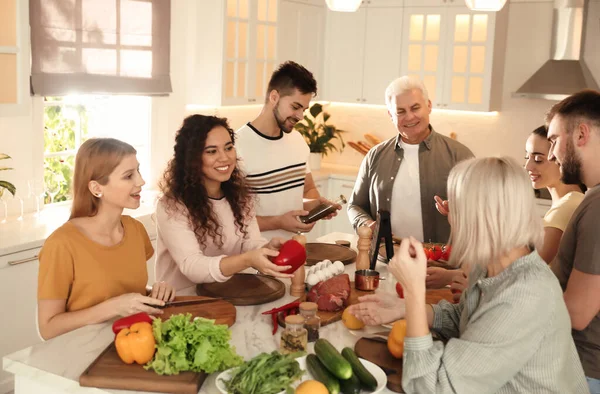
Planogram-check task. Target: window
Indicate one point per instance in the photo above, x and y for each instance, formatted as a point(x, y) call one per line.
point(70, 120)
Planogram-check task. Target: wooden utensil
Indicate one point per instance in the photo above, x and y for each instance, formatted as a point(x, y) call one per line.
point(108, 371)
point(378, 353)
point(316, 251)
point(245, 289)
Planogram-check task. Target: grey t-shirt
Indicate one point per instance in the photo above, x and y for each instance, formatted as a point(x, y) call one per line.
point(580, 249)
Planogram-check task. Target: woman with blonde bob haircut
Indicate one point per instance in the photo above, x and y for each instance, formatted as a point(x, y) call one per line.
point(93, 267)
point(510, 332)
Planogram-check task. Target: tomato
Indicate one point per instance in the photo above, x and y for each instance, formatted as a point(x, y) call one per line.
point(291, 253)
point(446, 252)
point(399, 290)
point(436, 252)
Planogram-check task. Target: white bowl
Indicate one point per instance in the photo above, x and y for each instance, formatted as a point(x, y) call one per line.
point(374, 369)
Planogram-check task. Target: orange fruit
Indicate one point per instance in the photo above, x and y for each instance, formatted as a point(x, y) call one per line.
point(395, 341)
point(311, 387)
point(350, 321)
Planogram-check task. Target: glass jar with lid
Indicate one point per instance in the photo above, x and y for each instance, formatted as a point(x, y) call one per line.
point(312, 322)
point(294, 337)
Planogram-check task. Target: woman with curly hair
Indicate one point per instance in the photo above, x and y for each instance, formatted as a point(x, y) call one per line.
point(206, 225)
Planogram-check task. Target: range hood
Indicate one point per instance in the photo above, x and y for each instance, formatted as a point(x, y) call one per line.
point(566, 72)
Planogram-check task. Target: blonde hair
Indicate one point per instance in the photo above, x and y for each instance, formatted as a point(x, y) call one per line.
point(403, 85)
point(96, 159)
point(492, 211)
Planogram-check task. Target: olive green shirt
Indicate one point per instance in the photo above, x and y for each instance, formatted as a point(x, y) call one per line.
point(373, 188)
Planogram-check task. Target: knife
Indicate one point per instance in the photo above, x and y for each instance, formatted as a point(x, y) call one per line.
point(172, 304)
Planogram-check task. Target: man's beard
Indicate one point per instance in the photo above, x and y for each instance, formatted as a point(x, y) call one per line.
point(281, 121)
point(571, 167)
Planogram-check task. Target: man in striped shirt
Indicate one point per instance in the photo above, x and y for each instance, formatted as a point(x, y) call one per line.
point(274, 156)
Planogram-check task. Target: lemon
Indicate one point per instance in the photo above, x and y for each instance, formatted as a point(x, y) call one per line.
point(311, 387)
point(351, 321)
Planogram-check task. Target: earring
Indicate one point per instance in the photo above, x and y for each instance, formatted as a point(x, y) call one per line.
point(98, 195)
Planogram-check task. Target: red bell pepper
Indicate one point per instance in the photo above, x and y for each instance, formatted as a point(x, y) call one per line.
point(282, 308)
point(291, 253)
point(126, 322)
point(399, 290)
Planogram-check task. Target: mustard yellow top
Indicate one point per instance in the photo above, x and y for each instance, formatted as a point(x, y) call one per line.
point(86, 273)
point(559, 214)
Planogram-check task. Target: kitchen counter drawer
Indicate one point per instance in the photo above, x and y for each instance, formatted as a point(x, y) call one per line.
point(18, 292)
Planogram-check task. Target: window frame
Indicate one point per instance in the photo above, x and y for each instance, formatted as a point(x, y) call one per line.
point(22, 49)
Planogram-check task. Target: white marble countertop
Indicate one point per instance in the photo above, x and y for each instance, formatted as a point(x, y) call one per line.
point(56, 365)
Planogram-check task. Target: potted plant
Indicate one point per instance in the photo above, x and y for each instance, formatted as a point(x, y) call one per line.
point(5, 185)
point(319, 134)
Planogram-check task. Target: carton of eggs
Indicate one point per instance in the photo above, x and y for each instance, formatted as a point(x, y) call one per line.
point(323, 270)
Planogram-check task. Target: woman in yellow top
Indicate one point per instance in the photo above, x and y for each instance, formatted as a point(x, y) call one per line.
point(93, 268)
point(565, 198)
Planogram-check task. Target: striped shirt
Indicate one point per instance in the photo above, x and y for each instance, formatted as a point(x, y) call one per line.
point(510, 333)
point(276, 169)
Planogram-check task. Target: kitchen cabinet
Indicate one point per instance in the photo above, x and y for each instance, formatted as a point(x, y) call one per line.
point(434, 3)
point(340, 223)
point(458, 54)
point(363, 51)
point(235, 50)
point(18, 291)
point(301, 35)
point(14, 58)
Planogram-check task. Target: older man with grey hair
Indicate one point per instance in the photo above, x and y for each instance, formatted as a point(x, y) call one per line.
point(403, 174)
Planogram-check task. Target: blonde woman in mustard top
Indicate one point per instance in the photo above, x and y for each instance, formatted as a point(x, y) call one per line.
point(565, 198)
point(93, 268)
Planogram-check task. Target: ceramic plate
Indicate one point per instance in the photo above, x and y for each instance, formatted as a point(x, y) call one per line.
point(374, 369)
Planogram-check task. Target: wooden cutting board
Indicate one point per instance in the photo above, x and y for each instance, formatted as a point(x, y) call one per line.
point(108, 371)
point(378, 353)
point(244, 289)
point(316, 252)
point(330, 317)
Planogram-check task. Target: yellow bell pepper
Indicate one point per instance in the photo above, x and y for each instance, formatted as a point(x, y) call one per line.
point(136, 343)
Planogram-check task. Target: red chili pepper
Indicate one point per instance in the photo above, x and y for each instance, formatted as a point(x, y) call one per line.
point(291, 305)
point(275, 323)
point(293, 311)
point(126, 322)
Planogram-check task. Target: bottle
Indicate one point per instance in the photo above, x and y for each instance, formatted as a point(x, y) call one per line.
point(294, 337)
point(312, 322)
point(321, 211)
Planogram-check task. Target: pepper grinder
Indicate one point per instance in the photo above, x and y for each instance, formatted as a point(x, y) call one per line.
point(297, 287)
point(363, 245)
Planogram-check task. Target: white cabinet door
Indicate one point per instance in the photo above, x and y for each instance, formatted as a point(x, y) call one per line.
point(383, 47)
point(423, 49)
point(345, 55)
point(451, 49)
point(301, 36)
point(340, 223)
point(468, 65)
point(18, 292)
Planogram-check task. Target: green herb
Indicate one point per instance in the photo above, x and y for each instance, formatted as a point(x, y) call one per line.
point(186, 345)
point(265, 374)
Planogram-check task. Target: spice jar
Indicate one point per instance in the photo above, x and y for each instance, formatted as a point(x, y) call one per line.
point(294, 337)
point(312, 322)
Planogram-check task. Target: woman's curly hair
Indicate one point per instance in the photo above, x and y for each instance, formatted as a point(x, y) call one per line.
point(182, 183)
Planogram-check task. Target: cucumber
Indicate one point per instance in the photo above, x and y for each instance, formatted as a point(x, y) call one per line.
point(350, 386)
point(332, 359)
point(320, 373)
point(366, 378)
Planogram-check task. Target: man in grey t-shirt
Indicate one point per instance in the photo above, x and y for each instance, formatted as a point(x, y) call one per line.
point(574, 131)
